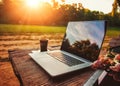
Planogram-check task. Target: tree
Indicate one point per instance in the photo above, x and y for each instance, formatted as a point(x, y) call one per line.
point(118, 1)
point(63, 1)
point(55, 3)
point(115, 8)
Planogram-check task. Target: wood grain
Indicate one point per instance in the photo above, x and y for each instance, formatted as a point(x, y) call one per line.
point(31, 74)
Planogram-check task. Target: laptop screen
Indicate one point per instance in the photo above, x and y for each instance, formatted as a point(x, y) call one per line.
point(84, 38)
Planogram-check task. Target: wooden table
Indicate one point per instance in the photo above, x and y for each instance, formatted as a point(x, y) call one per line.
point(31, 74)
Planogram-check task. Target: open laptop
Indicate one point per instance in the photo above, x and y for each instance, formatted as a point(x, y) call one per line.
point(80, 47)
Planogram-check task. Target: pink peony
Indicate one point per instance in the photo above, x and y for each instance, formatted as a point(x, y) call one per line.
point(117, 57)
point(115, 68)
point(97, 64)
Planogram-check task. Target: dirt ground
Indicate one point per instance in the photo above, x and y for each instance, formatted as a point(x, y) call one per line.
point(10, 41)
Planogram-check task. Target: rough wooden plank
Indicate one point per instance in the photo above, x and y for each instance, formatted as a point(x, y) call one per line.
point(32, 74)
point(7, 77)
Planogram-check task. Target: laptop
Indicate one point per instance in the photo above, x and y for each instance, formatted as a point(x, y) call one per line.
point(80, 47)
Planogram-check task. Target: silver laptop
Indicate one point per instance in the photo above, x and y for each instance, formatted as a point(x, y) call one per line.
point(80, 47)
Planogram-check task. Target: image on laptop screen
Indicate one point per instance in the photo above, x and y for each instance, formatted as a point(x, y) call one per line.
point(84, 38)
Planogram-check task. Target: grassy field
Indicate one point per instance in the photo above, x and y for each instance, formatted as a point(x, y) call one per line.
point(6, 28)
point(113, 31)
point(31, 28)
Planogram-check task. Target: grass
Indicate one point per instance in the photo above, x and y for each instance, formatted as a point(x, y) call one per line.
point(111, 31)
point(31, 28)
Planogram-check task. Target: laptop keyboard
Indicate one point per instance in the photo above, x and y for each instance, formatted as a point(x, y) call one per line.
point(65, 59)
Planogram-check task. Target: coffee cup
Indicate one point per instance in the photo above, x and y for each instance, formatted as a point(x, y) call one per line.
point(43, 45)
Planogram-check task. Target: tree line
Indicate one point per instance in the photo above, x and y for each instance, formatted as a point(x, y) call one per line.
point(47, 14)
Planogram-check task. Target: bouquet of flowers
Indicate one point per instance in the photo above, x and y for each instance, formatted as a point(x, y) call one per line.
point(110, 62)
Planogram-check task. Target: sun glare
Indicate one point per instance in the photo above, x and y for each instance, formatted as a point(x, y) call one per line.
point(0, 1)
point(33, 3)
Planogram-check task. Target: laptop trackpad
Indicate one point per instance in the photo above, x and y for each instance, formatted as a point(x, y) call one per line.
point(48, 63)
point(53, 66)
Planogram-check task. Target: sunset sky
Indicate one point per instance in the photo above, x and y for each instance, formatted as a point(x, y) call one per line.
point(98, 5)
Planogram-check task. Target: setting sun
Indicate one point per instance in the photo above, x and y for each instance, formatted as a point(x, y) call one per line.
point(33, 3)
